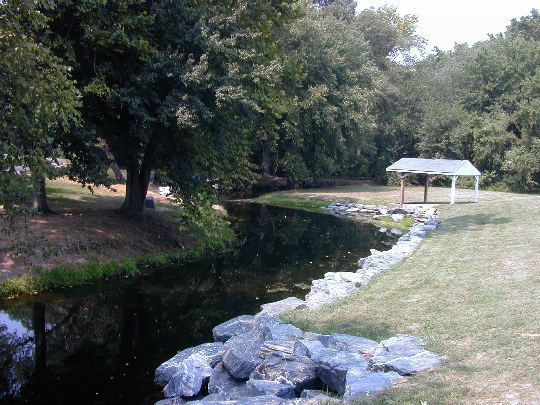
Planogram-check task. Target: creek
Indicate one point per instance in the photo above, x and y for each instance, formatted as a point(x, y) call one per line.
point(100, 344)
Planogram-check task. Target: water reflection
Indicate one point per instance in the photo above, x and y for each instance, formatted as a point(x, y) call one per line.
point(101, 344)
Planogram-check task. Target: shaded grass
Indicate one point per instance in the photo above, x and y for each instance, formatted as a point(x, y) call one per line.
point(293, 202)
point(472, 291)
point(69, 276)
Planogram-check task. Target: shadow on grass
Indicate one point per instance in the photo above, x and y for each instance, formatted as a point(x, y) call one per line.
point(471, 223)
point(359, 326)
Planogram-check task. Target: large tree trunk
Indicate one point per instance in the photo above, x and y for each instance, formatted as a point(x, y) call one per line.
point(138, 178)
point(39, 196)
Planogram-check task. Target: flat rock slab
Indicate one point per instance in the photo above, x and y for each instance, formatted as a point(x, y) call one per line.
point(361, 383)
point(354, 344)
point(233, 327)
point(277, 346)
point(411, 365)
point(297, 371)
point(190, 377)
point(281, 332)
point(279, 307)
point(222, 383)
point(241, 354)
point(262, 387)
point(212, 352)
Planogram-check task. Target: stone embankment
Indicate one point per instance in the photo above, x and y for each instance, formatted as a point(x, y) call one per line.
point(260, 359)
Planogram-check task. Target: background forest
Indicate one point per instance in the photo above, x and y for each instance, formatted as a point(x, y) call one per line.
point(208, 94)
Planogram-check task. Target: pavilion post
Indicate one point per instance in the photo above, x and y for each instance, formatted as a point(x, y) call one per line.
point(402, 177)
point(476, 188)
point(426, 188)
point(453, 192)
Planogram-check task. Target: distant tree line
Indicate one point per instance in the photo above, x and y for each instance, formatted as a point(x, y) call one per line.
point(215, 92)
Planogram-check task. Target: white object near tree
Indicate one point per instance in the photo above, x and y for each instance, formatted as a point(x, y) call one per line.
point(445, 167)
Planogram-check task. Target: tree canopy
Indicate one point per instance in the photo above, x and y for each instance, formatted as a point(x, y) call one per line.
point(208, 94)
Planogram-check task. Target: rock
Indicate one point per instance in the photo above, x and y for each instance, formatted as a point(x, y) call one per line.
point(265, 400)
point(261, 387)
point(236, 326)
point(280, 346)
point(212, 352)
point(361, 383)
point(172, 401)
point(324, 339)
point(308, 348)
point(212, 399)
point(149, 202)
point(241, 354)
point(383, 230)
point(308, 394)
point(400, 346)
point(396, 232)
point(328, 290)
point(411, 365)
point(298, 371)
point(188, 380)
point(281, 332)
point(279, 307)
point(332, 367)
point(222, 383)
point(397, 217)
point(354, 344)
point(321, 399)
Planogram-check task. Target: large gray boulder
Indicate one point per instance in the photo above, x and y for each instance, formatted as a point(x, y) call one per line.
point(241, 354)
point(190, 377)
point(298, 371)
point(262, 387)
point(233, 327)
point(279, 307)
point(223, 384)
point(212, 352)
point(324, 291)
point(362, 383)
point(353, 344)
point(332, 367)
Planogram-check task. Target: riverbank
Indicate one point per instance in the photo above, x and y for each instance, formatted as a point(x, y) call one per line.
point(88, 240)
point(471, 290)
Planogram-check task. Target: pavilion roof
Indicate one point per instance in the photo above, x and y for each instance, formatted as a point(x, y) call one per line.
point(434, 166)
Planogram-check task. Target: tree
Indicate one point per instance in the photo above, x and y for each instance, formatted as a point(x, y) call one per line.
point(166, 84)
point(327, 129)
point(37, 97)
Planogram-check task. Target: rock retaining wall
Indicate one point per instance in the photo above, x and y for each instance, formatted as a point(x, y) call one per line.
point(260, 359)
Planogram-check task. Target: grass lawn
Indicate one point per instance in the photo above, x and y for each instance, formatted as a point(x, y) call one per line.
point(471, 290)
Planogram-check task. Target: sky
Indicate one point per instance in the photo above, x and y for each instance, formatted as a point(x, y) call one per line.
point(443, 23)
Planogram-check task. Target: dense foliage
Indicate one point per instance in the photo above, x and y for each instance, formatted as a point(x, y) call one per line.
point(208, 93)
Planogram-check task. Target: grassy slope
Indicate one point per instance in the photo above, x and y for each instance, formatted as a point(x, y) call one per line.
point(472, 290)
point(88, 240)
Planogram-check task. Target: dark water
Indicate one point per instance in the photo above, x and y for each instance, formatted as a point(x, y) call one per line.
point(101, 344)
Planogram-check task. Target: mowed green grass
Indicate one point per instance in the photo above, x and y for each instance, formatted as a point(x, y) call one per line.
point(471, 290)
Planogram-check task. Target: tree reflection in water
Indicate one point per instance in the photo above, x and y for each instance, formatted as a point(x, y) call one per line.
point(101, 344)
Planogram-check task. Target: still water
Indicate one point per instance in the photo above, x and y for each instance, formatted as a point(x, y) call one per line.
point(100, 344)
